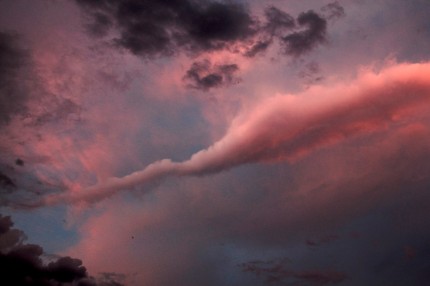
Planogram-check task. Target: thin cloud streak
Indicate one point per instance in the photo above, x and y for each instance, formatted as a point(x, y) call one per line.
point(287, 127)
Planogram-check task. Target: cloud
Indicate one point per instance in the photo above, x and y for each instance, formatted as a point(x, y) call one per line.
point(333, 11)
point(13, 61)
point(153, 28)
point(278, 21)
point(287, 127)
point(276, 272)
point(23, 264)
point(301, 42)
point(277, 24)
point(6, 182)
point(203, 75)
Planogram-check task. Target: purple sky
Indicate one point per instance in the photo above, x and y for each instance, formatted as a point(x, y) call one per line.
point(203, 142)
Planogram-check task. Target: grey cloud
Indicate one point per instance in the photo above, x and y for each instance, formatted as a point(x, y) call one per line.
point(203, 75)
point(277, 272)
point(164, 28)
point(6, 182)
point(298, 43)
point(278, 21)
point(151, 28)
point(13, 60)
point(333, 11)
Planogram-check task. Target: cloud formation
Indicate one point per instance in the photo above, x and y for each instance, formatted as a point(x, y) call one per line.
point(287, 127)
point(298, 43)
point(333, 11)
point(149, 29)
point(23, 264)
point(13, 61)
point(203, 75)
point(276, 272)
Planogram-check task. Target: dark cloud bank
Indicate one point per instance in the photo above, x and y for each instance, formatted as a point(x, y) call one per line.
point(27, 265)
point(164, 28)
point(154, 28)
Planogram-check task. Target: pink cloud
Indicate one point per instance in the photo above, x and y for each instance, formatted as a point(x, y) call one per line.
point(287, 127)
point(164, 236)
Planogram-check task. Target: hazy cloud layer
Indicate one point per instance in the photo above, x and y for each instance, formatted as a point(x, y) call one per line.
point(277, 272)
point(14, 61)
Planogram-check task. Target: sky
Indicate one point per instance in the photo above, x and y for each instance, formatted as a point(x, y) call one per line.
point(211, 142)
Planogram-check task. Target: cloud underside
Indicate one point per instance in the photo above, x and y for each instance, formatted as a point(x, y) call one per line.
point(288, 127)
point(23, 264)
point(164, 28)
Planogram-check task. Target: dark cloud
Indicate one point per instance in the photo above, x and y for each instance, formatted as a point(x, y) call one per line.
point(150, 28)
point(163, 28)
point(278, 22)
point(6, 182)
point(257, 48)
point(278, 272)
point(23, 264)
point(13, 60)
point(300, 42)
point(110, 279)
point(203, 75)
point(19, 162)
point(333, 11)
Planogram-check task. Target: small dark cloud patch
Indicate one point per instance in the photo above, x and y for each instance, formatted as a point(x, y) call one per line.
point(333, 11)
point(278, 272)
point(301, 42)
point(6, 182)
point(23, 264)
point(13, 61)
point(19, 162)
point(258, 47)
point(203, 75)
point(165, 28)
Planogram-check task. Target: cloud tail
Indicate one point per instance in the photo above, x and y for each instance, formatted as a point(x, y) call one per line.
point(286, 127)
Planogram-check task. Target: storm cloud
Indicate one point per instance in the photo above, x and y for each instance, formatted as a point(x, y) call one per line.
point(23, 264)
point(164, 28)
point(150, 28)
